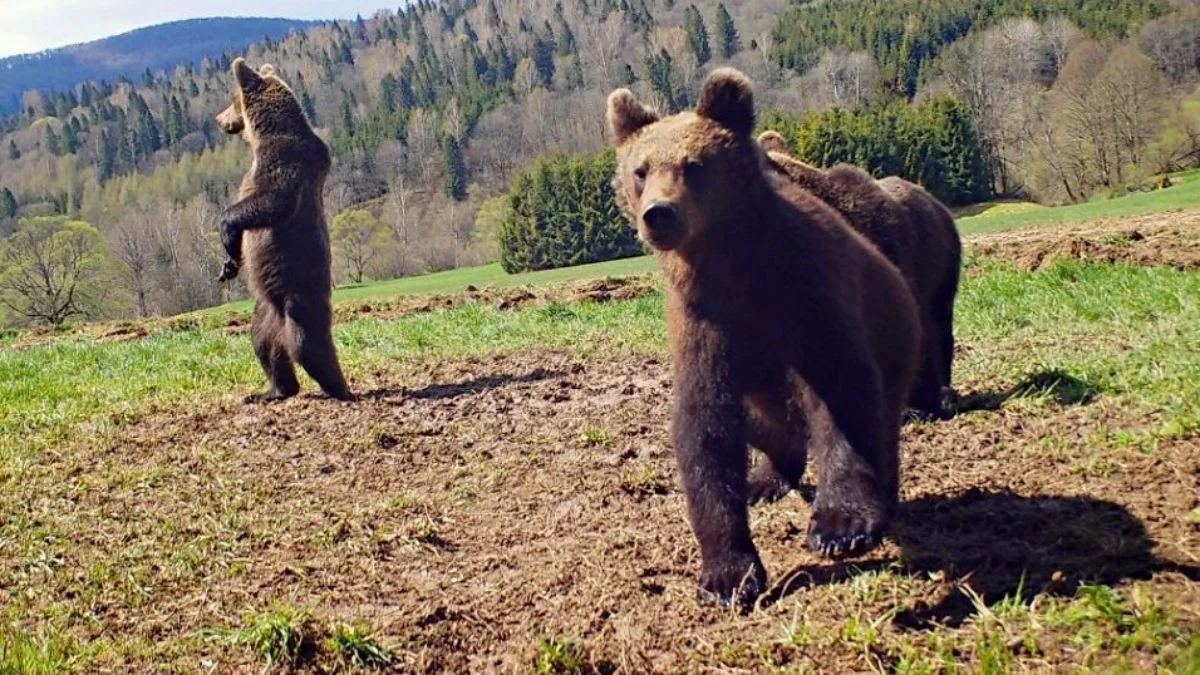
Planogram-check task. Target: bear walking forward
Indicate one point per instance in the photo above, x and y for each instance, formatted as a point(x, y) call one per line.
point(788, 330)
point(937, 275)
point(276, 230)
point(914, 231)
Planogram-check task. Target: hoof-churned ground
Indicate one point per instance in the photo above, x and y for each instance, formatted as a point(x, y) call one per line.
point(518, 510)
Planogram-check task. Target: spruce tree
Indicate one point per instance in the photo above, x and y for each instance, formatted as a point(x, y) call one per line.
point(697, 34)
point(8, 204)
point(728, 42)
point(456, 168)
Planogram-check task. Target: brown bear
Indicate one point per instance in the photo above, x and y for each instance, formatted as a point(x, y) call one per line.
point(787, 330)
point(276, 230)
point(908, 229)
point(938, 274)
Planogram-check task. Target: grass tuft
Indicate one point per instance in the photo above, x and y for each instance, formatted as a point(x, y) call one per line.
point(280, 636)
point(355, 647)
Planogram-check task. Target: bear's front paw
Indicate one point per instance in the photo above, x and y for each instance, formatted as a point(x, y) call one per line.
point(736, 579)
point(765, 484)
point(229, 271)
point(917, 415)
point(846, 528)
point(949, 401)
point(270, 396)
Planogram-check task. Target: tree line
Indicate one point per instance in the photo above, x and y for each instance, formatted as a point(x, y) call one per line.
point(438, 112)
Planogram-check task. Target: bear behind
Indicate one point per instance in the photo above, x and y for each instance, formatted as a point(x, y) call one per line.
point(940, 269)
point(903, 225)
point(788, 331)
point(277, 231)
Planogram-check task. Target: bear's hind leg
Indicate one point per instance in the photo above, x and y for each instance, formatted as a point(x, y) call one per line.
point(267, 334)
point(925, 401)
point(943, 315)
point(311, 345)
point(781, 433)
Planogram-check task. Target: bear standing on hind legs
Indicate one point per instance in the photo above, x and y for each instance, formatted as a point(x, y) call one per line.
point(916, 233)
point(276, 230)
point(788, 330)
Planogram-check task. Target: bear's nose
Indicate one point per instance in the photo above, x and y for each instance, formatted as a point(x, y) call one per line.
point(660, 216)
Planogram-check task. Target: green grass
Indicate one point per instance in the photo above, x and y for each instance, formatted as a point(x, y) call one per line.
point(278, 636)
point(22, 654)
point(354, 647)
point(1122, 330)
point(1125, 329)
point(1185, 194)
point(74, 380)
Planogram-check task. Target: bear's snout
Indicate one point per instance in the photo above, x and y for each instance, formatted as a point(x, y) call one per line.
point(230, 120)
point(662, 221)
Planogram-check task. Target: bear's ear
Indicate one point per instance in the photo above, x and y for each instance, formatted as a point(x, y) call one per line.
point(727, 99)
point(266, 70)
point(773, 141)
point(247, 79)
point(627, 115)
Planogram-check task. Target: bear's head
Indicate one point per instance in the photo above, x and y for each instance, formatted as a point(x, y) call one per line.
point(773, 141)
point(262, 104)
point(676, 174)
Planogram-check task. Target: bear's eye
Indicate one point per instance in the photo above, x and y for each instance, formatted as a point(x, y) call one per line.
point(692, 169)
point(639, 177)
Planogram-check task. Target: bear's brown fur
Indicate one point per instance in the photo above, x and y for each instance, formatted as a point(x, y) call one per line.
point(939, 271)
point(909, 231)
point(277, 231)
point(788, 330)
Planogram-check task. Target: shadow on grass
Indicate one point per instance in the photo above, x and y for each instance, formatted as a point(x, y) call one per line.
point(1003, 544)
point(454, 390)
point(1057, 384)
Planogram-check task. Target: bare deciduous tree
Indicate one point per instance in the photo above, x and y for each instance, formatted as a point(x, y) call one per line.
point(604, 45)
point(843, 78)
point(133, 245)
point(1062, 36)
point(1174, 44)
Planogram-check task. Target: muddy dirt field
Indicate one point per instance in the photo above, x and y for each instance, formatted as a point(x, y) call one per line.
point(467, 510)
point(1156, 239)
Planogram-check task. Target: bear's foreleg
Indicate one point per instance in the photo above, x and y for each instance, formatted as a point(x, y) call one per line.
point(261, 209)
point(708, 431)
point(851, 450)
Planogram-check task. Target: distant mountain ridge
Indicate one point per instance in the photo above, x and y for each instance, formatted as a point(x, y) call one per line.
point(158, 47)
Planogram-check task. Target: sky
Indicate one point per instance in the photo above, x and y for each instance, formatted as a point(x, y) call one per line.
point(33, 25)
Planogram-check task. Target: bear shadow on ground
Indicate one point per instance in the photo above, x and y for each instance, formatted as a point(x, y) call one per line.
point(1061, 386)
point(1004, 544)
point(474, 386)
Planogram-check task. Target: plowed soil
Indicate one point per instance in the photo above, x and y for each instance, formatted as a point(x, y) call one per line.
point(467, 510)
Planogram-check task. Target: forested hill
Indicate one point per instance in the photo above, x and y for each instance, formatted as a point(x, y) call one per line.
point(433, 110)
point(130, 54)
point(904, 35)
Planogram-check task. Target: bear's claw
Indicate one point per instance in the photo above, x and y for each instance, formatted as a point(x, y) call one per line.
point(834, 533)
point(737, 581)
